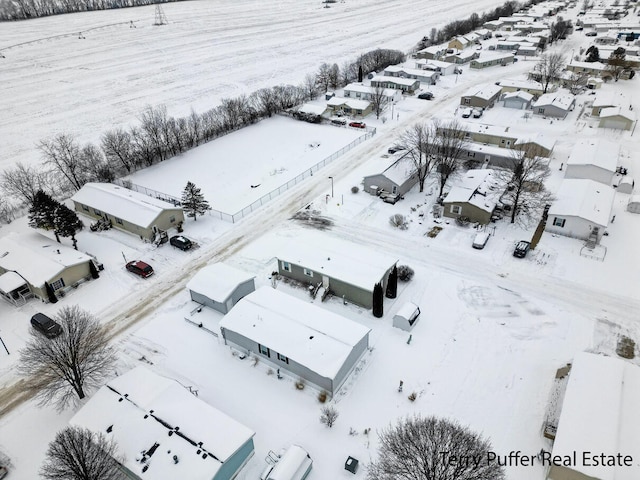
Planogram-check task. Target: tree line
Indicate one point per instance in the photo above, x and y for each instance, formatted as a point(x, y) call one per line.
point(26, 9)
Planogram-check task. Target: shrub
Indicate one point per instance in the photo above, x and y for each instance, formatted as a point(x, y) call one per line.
point(405, 273)
point(322, 396)
point(355, 189)
point(399, 221)
point(328, 416)
point(300, 384)
point(413, 396)
point(626, 347)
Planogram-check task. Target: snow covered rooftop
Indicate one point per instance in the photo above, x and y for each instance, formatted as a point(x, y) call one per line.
point(485, 92)
point(600, 414)
point(527, 97)
point(487, 55)
point(617, 112)
point(486, 129)
point(133, 207)
point(607, 99)
point(397, 80)
point(400, 170)
point(587, 65)
point(408, 71)
point(217, 281)
point(477, 187)
point(559, 100)
point(352, 103)
point(582, 198)
point(521, 84)
point(138, 410)
point(594, 151)
point(312, 108)
point(311, 336)
point(37, 258)
point(339, 259)
point(358, 87)
point(9, 281)
point(538, 139)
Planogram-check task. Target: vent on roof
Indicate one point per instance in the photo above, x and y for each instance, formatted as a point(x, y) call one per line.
point(175, 459)
point(311, 337)
point(204, 455)
point(144, 469)
point(109, 428)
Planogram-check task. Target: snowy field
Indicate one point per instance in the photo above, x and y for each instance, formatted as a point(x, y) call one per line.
point(55, 82)
point(493, 328)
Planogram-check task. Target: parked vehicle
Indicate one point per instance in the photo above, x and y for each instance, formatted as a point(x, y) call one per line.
point(140, 268)
point(467, 112)
point(477, 112)
point(522, 248)
point(45, 325)
point(358, 124)
point(426, 96)
point(480, 240)
point(338, 121)
point(492, 47)
point(395, 148)
point(181, 242)
point(591, 34)
point(294, 464)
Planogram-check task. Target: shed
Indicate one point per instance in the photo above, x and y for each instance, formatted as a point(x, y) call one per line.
point(594, 159)
point(617, 118)
point(295, 464)
point(407, 316)
point(294, 335)
point(220, 286)
point(634, 204)
point(626, 185)
point(520, 100)
point(162, 431)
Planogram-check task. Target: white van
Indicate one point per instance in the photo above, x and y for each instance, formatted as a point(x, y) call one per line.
point(467, 112)
point(294, 464)
point(480, 240)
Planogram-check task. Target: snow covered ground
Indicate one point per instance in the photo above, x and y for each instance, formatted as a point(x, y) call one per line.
point(493, 328)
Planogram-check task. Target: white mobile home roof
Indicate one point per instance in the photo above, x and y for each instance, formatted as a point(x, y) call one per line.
point(523, 84)
point(36, 257)
point(353, 103)
point(617, 112)
point(600, 414)
point(582, 198)
point(349, 262)
point(484, 91)
point(477, 187)
point(217, 281)
point(311, 336)
point(397, 80)
point(559, 100)
point(527, 97)
point(400, 170)
point(133, 207)
point(594, 151)
point(221, 436)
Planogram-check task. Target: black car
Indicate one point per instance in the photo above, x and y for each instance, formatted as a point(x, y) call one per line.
point(426, 96)
point(394, 149)
point(522, 247)
point(183, 243)
point(45, 325)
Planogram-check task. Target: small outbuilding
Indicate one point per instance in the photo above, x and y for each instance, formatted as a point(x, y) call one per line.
point(407, 316)
point(617, 118)
point(634, 204)
point(220, 286)
point(520, 100)
point(594, 159)
point(626, 185)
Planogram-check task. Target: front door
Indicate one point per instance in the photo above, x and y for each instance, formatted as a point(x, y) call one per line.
point(325, 282)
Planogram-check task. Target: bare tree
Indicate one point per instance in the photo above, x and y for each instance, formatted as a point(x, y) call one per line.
point(80, 454)
point(419, 141)
point(323, 77)
point(617, 63)
point(309, 87)
point(328, 415)
point(379, 99)
point(549, 68)
point(450, 143)
point(430, 448)
point(62, 154)
point(62, 369)
point(525, 192)
point(117, 148)
point(23, 181)
point(94, 164)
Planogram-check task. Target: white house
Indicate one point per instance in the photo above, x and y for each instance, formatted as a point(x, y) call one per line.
point(365, 92)
point(220, 286)
point(429, 77)
point(599, 416)
point(296, 336)
point(519, 100)
point(594, 159)
point(581, 209)
point(474, 196)
point(163, 431)
point(443, 68)
point(555, 104)
point(398, 178)
point(408, 85)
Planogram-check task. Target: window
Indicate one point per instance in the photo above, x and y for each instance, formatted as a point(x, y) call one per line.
point(85, 208)
point(286, 266)
point(308, 273)
point(282, 358)
point(467, 101)
point(57, 285)
point(394, 189)
point(264, 350)
point(456, 209)
point(97, 212)
point(172, 219)
point(541, 110)
point(471, 154)
point(118, 221)
point(558, 222)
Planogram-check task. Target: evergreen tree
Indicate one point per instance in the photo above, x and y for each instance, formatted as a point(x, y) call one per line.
point(392, 283)
point(42, 213)
point(50, 293)
point(378, 308)
point(67, 223)
point(193, 202)
point(593, 54)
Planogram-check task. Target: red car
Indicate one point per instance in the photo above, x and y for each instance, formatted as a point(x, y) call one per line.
point(358, 125)
point(140, 268)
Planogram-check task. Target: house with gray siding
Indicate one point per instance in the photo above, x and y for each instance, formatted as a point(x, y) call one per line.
point(594, 159)
point(484, 96)
point(220, 286)
point(31, 264)
point(557, 105)
point(336, 266)
point(365, 92)
point(406, 85)
point(397, 178)
point(519, 100)
point(296, 337)
point(492, 59)
point(349, 106)
point(423, 76)
point(126, 210)
point(162, 430)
